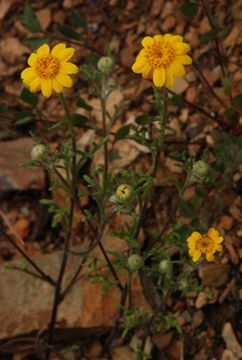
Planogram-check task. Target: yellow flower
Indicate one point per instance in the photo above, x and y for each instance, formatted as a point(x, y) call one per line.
point(124, 191)
point(49, 71)
point(162, 58)
point(206, 244)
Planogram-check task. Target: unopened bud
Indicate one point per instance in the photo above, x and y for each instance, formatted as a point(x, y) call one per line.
point(105, 64)
point(183, 284)
point(165, 266)
point(39, 152)
point(199, 170)
point(135, 262)
point(124, 192)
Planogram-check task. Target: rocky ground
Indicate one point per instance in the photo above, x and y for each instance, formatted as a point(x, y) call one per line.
point(211, 326)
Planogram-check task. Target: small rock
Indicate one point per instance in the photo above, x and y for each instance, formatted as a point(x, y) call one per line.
point(162, 340)
point(169, 23)
point(180, 85)
point(226, 222)
point(12, 176)
point(215, 275)
point(123, 353)
point(228, 355)
point(231, 341)
point(191, 94)
point(201, 300)
point(197, 319)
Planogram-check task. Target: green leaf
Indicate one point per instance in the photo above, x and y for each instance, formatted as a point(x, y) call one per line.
point(3, 108)
point(68, 32)
point(227, 84)
point(35, 42)
point(238, 100)
point(122, 132)
point(81, 103)
point(23, 117)
point(29, 97)
point(189, 9)
point(230, 112)
point(79, 120)
point(187, 208)
point(78, 19)
point(142, 120)
point(210, 35)
point(30, 20)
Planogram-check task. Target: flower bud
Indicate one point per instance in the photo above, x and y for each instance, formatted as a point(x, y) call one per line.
point(135, 262)
point(165, 266)
point(39, 152)
point(199, 170)
point(124, 192)
point(105, 64)
point(182, 284)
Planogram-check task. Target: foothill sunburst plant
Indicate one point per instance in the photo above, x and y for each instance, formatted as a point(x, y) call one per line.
point(165, 255)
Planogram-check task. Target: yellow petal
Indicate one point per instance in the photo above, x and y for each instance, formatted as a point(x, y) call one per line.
point(184, 59)
point(218, 240)
point(158, 38)
point(195, 235)
point(169, 79)
point(139, 65)
point(57, 86)
point(64, 80)
point(147, 41)
point(43, 50)
point(213, 233)
point(46, 87)
point(175, 39)
point(35, 85)
point(177, 69)
point(57, 49)
point(167, 37)
point(159, 77)
point(68, 68)
point(147, 72)
point(209, 257)
point(181, 48)
point(32, 59)
point(65, 54)
point(141, 55)
point(28, 75)
point(196, 255)
point(218, 248)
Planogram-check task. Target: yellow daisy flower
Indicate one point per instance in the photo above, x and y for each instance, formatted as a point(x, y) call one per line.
point(49, 71)
point(124, 191)
point(206, 244)
point(162, 58)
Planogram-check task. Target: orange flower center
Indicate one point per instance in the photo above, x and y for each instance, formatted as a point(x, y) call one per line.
point(205, 245)
point(159, 54)
point(47, 67)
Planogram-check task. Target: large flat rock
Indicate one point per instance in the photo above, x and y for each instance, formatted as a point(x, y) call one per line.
point(26, 302)
point(13, 176)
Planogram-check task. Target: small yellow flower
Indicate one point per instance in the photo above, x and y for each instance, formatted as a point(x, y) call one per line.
point(49, 71)
point(123, 192)
point(206, 244)
point(162, 58)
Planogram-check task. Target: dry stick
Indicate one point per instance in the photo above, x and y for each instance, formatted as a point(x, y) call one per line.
point(59, 283)
point(44, 276)
point(12, 230)
point(196, 67)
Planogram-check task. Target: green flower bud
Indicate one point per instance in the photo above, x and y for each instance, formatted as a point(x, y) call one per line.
point(105, 64)
point(124, 192)
point(39, 152)
point(165, 266)
point(199, 170)
point(183, 284)
point(135, 262)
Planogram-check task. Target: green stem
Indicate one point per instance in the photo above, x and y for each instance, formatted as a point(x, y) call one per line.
point(104, 125)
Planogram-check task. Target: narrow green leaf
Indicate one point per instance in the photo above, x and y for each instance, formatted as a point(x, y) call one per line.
point(81, 103)
point(29, 97)
point(210, 35)
point(189, 9)
point(122, 132)
point(142, 120)
point(35, 42)
point(68, 32)
point(78, 19)
point(238, 100)
point(227, 84)
point(79, 120)
point(30, 20)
